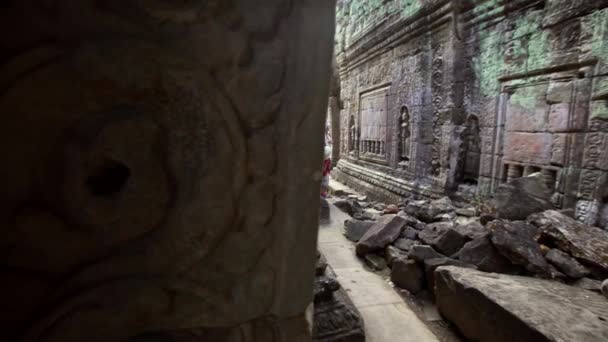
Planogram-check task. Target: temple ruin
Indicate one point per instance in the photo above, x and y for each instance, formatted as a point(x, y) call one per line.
point(457, 97)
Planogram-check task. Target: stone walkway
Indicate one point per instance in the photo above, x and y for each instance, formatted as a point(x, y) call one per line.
point(387, 317)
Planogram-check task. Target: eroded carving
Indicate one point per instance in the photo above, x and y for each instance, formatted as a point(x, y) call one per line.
point(141, 189)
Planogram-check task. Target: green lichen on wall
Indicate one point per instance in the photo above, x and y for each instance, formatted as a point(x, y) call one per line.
point(354, 17)
point(488, 65)
point(539, 51)
point(597, 24)
point(525, 98)
point(409, 8)
point(526, 47)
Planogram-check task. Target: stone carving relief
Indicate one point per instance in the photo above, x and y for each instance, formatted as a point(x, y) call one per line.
point(352, 134)
point(374, 113)
point(470, 152)
point(140, 199)
point(437, 89)
point(404, 140)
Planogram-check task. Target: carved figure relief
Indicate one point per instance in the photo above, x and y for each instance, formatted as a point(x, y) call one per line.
point(404, 136)
point(437, 89)
point(472, 149)
point(352, 134)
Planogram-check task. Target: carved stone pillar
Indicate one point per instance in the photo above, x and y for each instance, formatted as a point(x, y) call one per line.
point(160, 175)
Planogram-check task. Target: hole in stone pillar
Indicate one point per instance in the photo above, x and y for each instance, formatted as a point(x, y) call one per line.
point(108, 178)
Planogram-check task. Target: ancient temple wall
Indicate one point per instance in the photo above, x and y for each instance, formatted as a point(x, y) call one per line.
point(495, 89)
point(400, 90)
point(536, 79)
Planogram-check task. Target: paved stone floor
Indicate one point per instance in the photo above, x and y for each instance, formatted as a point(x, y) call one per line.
point(387, 317)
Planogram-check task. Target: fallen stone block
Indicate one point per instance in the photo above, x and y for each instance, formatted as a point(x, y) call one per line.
point(467, 212)
point(473, 230)
point(503, 308)
point(585, 243)
point(482, 253)
point(522, 197)
point(588, 284)
point(349, 206)
point(391, 209)
point(443, 238)
point(514, 241)
point(386, 230)
point(355, 229)
point(335, 319)
point(392, 253)
point(375, 262)
point(430, 265)
point(404, 244)
point(566, 264)
point(428, 211)
point(410, 220)
point(422, 252)
point(409, 233)
point(486, 218)
point(408, 275)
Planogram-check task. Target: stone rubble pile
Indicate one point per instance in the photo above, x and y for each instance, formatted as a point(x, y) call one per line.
point(518, 271)
point(522, 235)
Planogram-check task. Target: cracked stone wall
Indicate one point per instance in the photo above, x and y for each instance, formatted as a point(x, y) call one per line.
point(161, 165)
point(493, 90)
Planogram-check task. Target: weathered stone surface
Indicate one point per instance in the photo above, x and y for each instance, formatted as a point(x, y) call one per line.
point(380, 207)
point(410, 220)
point(495, 307)
point(588, 284)
point(375, 262)
point(445, 240)
point(349, 206)
point(428, 211)
point(321, 265)
point(514, 241)
point(392, 253)
point(381, 234)
point(566, 264)
point(486, 218)
point(482, 253)
point(409, 233)
point(391, 209)
point(517, 199)
point(467, 212)
point(324, 288)
point(405, 244)
point(408, 274)
point(448, 217)
point(355, 229)
point(604, 288)
point(160, 168)
point(324, 210)
point(473, 230)
point(587, 244)
point(335, 317)
point(430, 265)
point(554, 274)
point(421, 252)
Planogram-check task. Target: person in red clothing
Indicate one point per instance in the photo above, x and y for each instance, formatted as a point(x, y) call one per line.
point(326, 163)
point(326, 171)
